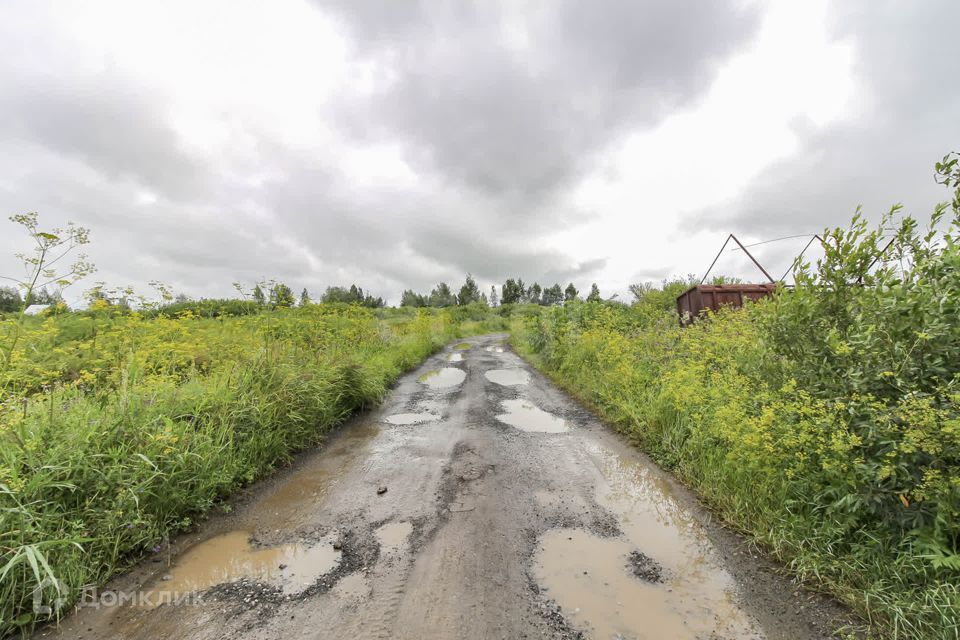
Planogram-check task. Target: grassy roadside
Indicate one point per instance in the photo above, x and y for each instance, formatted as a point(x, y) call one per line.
point(126, 429)
point(774, 461)
point(825, 422)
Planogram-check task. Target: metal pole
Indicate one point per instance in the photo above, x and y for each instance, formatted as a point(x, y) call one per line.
point(750, 255)
point(717, 258)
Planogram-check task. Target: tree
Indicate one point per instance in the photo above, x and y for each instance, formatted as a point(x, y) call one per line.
point(42, 269)
point(469, 292)
point(552, 296)
point(533, 294)
point(10, 300)
point(258, 296)
point(493, 296)
point(442, 296)
point(570, 293)
point(370, 301)
point(511, 292)
point(523, 290)
point(594, 293)
point(281, 295)
point(412, 299)
point(304, 297)
point(338, 294)
point(353, 295)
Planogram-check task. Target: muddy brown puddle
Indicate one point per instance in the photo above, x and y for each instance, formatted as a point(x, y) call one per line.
point(393, 536)
point(659, 579)
point(229, 557)
point(297, 496)
point(444, 377)
point(525, 416)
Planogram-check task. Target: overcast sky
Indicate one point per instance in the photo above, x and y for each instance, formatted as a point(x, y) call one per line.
point(398, 144)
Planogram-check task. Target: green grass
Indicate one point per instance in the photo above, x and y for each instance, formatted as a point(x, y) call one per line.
point(130, 429)
point(776, 462)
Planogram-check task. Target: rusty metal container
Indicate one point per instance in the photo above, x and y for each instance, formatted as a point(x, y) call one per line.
point(692, 302)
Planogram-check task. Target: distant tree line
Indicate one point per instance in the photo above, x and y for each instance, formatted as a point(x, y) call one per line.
point(513, 291)
point(273, 295)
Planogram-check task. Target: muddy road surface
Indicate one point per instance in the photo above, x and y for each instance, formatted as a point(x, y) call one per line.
point(478, 502)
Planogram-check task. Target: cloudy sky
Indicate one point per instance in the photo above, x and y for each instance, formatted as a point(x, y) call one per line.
point(397, 144)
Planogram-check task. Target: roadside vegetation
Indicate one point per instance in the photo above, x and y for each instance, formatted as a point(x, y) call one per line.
point(124, 423)
point(824, 422)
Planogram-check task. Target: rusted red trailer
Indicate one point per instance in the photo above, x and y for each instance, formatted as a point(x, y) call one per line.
point(695, 300)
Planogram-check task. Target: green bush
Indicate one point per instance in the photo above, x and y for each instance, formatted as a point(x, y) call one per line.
point(826, 422)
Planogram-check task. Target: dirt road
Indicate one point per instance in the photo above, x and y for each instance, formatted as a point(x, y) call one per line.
point(478, 502)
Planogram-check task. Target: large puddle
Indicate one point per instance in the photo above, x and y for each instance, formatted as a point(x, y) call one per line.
point(230, 557)
point(296, 497)
point(411, 418)
point(660, 579)
point(508, 377)
point(445, 377)
point(523, 415)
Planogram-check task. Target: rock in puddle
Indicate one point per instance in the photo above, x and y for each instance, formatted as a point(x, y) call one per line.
point(644, 567)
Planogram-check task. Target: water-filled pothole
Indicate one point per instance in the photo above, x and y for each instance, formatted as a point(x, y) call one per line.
point(592, 580)
point(411, 418)
point(456, 356)
point(527, 417)
point(462, 346)
point(508, 377)
point(444, 377)
point(393, 536)
point(660, 578)
point(494, 349)
point(229, 557)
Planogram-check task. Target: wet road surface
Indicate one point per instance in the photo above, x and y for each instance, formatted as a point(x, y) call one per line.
point(479, 501)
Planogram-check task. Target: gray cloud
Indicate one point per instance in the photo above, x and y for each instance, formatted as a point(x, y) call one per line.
point(909, 106)
point(104, 121)
point(498, 112)
point(518, 114)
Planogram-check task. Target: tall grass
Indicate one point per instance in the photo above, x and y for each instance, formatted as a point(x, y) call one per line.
point(127, 430)
point(826, 422)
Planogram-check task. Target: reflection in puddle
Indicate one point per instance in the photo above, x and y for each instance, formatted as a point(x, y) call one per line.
point(445, 377)
point(597, 579)
point(230, 557)
point(494, 349)
point(508, 377)
point(411, 418)
point(463, 346)
point(393, 536)
point(526, 417)
point(455, 357)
